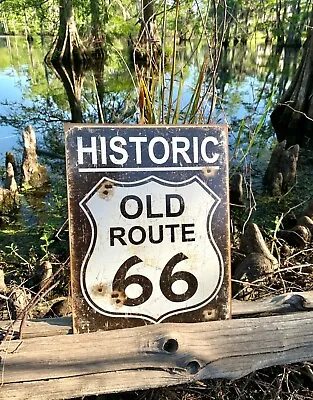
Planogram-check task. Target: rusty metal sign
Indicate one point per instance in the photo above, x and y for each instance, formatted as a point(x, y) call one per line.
point(149, 228)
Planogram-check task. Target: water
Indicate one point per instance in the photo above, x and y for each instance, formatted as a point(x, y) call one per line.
point(14, 84)
point(11, 84)
point(250, 78)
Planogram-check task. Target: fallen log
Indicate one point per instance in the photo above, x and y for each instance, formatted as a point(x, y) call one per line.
point(151, 356)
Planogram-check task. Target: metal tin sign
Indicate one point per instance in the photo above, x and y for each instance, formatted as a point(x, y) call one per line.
point(148, 209)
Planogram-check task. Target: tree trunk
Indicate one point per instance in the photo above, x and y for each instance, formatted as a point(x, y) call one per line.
point(34, 175)
point(148, 30)
point(292, 117)
point(294, 33)
point(67, 48)
point(280, 23)
point(98, 71)
point(72, 80)
point(148, 46)
point(99, 18)
point(290, 61)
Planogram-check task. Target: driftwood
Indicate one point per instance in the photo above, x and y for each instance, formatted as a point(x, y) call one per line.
point(280, 174)
point(33, 174)
point(151, 356)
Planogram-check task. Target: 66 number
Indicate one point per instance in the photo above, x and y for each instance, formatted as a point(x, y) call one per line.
point(167, 278)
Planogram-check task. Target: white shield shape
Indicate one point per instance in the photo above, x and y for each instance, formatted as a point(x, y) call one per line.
point(152, 254)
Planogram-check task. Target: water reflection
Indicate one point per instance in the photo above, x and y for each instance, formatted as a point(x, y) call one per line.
point(248, 78)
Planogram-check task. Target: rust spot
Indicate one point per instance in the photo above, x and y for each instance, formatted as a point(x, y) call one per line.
point(118, 298)
point(100, 289)
point(209, 171)
point(105, 190)
point(209, 314)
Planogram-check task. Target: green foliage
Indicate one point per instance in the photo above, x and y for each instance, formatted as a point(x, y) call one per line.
point(28, 16)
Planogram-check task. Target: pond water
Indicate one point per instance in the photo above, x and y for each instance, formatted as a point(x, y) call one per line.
point(250, 79)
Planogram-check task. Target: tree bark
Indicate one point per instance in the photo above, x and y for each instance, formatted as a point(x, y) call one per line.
point(98, 71)
point(67, 48)
point(99, 18)
point(281, 11)
point(292, 117)
point(293, 38)
point(34, 175)
point(148, 30)
point(148, 46)
point(72, 80)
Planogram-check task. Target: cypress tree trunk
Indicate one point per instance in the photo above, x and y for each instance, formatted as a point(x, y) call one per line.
point(67, 48)
point(72, 80)
point(98, 71)
point(293, 38)
point(148, 46)
point(148, 29)
point(292, 117)
point(99, 18)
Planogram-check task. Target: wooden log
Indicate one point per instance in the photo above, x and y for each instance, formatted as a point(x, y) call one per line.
point(151, 356)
